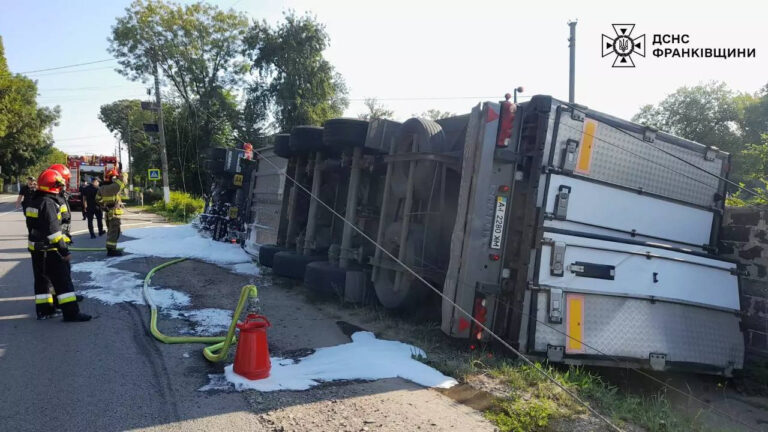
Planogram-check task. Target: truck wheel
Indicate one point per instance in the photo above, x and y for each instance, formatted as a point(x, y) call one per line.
point(325, 278)
point(306, 139)
point(292, 265)
point(429, 138)
point(341, 133)
point(410, 295)
point(282, 146)
point(267, 254)
point(411, 292)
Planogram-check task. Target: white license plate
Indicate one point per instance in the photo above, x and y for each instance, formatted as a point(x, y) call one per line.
point(498, 222)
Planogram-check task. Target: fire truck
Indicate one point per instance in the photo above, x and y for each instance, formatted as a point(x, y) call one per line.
point(84, 168)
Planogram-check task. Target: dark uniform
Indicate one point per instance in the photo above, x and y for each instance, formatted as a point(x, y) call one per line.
point(48, 247)
point(108, 199)
point(93, 210)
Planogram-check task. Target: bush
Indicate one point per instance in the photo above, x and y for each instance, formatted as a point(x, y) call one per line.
point(181, 208)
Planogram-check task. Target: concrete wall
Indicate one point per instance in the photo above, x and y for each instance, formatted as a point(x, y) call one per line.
point(745, 237)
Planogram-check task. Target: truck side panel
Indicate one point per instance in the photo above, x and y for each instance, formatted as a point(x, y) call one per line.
point(572, 202)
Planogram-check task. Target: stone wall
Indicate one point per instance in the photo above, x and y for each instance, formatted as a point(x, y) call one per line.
point(745, 237)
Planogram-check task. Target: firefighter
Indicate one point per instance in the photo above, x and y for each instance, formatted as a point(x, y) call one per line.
point(108, 198)
point(63, 198)
point(49, 250)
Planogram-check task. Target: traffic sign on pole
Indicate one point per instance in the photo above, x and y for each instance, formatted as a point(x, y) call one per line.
point(153, 174)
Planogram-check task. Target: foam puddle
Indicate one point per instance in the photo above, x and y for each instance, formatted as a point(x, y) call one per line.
point(182, 241)
point(365, 358)
point(112, 285)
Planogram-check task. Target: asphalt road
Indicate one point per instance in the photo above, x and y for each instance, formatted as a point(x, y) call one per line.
point(103, 375)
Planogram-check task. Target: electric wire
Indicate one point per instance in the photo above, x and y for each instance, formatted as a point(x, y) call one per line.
point(68, 66)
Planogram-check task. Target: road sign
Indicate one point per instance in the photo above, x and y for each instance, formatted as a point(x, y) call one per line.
point(153, 174)
point(151, 127)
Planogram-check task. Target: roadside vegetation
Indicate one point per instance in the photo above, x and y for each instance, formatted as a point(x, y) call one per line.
point(182, 207)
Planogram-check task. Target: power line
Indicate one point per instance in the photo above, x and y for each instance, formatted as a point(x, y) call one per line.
point(83, 137)
point(68, 66)
point(69, 72)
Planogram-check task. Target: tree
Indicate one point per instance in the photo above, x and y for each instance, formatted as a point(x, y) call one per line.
point(435, 114)
point(707, 114)
point(294, 77)
point(53, 156)
point(25, 128)
point(125, 119)
point(198, 48)
point(376, 110)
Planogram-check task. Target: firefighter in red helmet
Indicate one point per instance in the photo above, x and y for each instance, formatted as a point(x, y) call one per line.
point(63, 198)
point(50, 251)
point(108, 198)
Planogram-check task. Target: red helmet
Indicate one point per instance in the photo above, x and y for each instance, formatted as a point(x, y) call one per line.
point(110, 174)
point(63, 170)
point(50, 181)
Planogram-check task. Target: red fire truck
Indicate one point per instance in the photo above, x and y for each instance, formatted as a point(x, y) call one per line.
point(83, 168)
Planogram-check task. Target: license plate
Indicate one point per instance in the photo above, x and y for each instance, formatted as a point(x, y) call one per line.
point(498, 222)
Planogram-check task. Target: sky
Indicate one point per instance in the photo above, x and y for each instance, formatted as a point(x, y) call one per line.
point(412, 55)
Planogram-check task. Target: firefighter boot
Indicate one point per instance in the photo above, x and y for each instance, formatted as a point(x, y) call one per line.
point(72, 313)
point(114, 252)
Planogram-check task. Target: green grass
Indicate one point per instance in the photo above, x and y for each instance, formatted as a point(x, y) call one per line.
point(182, 207)
point(535, 402)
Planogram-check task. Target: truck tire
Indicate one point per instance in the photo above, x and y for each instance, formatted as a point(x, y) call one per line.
point(430, 138)
point(325, 278)
point(412, 292)
point(306, 139)
point(282, 146)
point(292, 265)
point(267, 254)
point(342, 133)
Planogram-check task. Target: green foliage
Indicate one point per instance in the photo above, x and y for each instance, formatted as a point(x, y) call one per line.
point(25, 135)
point(376, 110)
point(712, 114)
point(535, 401)
point(707, 114)
point(52, 156)
point(435, 114)
point(296, 79)
point(125, 119)
point(181, 208)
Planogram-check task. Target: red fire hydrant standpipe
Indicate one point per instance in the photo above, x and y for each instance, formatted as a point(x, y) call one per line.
point(252, 354)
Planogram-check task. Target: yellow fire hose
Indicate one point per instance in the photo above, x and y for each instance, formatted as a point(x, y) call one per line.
point(213, 353)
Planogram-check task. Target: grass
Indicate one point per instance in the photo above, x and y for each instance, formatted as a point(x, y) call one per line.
point(535, 402)
point(523, 399)
point(182, 207)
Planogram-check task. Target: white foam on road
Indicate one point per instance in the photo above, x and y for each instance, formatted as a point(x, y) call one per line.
point(248, 268)
point(112, 285)
point(206, 322)
point(365, 358)
point(182, 241)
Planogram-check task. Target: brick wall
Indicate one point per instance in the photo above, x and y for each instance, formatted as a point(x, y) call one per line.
point(745, 237)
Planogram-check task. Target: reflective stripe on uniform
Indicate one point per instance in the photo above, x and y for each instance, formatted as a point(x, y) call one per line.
point(109, 243)
point(31, 212)
point(66, 297)
point(55, 237)
point(63, 208)
point(43, 299)
point(118, 211)
point(31, 245)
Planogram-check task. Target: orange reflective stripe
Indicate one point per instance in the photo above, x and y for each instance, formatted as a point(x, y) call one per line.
point(585, 148)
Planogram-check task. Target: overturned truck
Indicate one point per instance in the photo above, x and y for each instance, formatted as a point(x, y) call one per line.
point(573, 235)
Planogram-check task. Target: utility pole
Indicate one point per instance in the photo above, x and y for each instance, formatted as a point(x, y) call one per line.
point(572, 69)
point(163, 155)
point(130, 162)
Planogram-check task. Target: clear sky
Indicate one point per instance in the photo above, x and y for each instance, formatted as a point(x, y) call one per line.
point(413, 55)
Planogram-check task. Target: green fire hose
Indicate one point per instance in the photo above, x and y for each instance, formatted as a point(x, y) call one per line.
point(213, 353)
